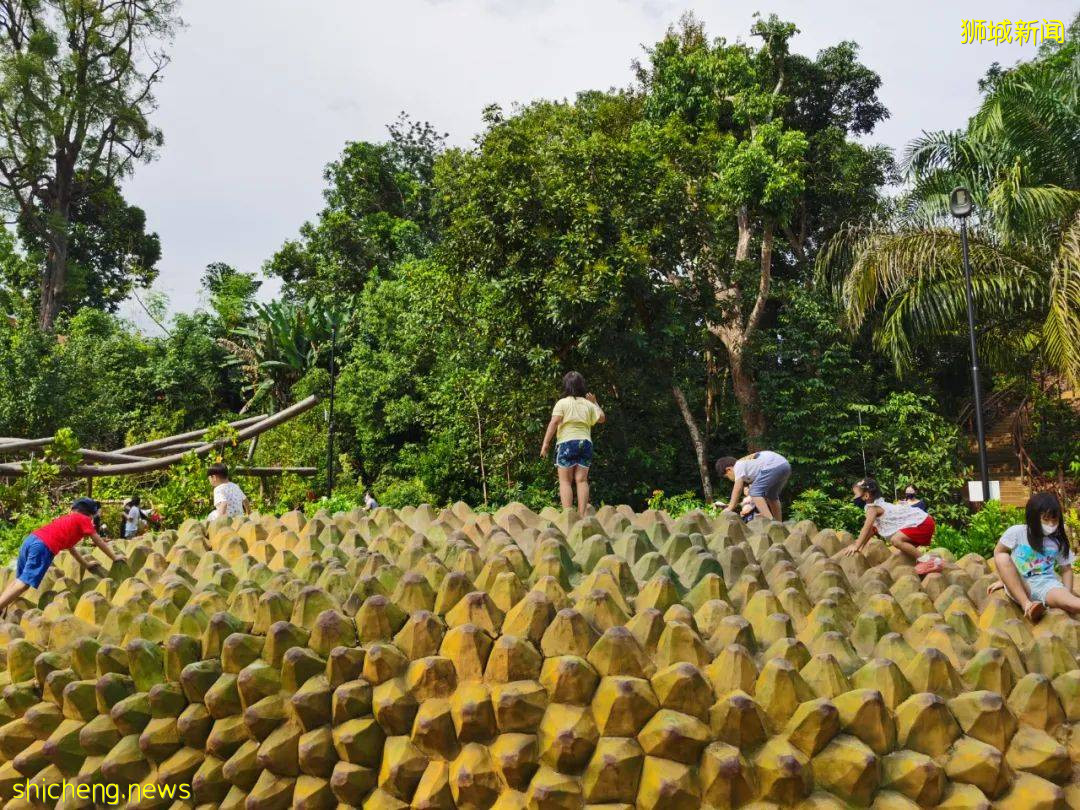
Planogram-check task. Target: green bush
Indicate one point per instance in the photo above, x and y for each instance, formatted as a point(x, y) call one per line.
point(676, 505)
point(983, 532)
point(338, 502)
point(989, 523)
point(826, 512)
point(396, 494)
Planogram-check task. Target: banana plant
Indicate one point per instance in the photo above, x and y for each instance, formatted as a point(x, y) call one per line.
point(285, 341)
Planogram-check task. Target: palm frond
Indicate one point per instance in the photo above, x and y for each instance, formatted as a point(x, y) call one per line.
point(1061, 330)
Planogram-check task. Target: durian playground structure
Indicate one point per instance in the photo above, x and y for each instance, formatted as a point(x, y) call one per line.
point(436, 659)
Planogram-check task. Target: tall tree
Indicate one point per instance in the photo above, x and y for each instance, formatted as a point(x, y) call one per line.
point(76, 89)
point(378, 211)
point(110, 252)
point(760, 138)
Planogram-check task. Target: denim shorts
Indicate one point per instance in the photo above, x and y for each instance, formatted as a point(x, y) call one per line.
point(34, 560)
point(574, 453)
point(1040, 586)
point(770, 482)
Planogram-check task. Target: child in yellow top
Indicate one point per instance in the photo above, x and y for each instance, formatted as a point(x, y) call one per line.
point(572, 419)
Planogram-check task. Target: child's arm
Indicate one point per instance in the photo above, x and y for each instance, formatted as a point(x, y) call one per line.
point(1067, 577)
point(553, 425)
point(600, 417)
point(99, 541)
point(87, 565)
point(736, 492)
point(868, 531)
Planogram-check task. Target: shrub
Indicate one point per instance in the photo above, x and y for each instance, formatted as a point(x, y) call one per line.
point(983, 532)
point(676, 505)
point(989, 523)
point(396, 493)
point(338, 502)
point(826, 512)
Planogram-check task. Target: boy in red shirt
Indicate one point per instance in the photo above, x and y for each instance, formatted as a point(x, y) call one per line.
point(42, 545)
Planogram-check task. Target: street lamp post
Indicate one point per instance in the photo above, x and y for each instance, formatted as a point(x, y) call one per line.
point(960, 204)
point(330, 416)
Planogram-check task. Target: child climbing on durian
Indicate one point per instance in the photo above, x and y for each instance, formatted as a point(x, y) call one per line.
point(1027, 556)
point(905, 527)
point(42, 545)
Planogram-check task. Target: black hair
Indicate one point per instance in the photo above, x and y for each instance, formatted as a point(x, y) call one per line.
point(870, 486)
point(1039, 504)
point(573, 385)
point(724, 463)
point(220, 470)
point(134, 501)
point(914, 490)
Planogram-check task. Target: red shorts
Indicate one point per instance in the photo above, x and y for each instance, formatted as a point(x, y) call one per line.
point(922, 534)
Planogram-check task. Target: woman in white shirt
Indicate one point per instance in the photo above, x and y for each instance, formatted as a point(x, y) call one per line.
point(134, 517)
point(907, 527)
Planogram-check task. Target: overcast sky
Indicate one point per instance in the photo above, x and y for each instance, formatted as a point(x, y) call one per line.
point(261, 94)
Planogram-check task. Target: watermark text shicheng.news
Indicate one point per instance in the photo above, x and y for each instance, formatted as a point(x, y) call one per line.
point(1018, 32)
point(100, 793)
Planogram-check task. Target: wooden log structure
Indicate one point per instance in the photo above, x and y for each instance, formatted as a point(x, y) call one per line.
point(143, 458)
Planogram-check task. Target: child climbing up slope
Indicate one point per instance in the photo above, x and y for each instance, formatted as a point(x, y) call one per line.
point(41, 546)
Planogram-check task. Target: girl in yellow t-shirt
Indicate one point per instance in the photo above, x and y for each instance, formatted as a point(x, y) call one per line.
point(572, 419)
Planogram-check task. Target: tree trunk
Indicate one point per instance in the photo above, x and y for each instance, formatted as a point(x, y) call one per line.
point(744, 386)
point(54, 279)
point(698, 441)
point(742, 247)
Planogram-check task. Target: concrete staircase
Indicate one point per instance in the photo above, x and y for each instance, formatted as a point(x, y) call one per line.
point(1002, 461)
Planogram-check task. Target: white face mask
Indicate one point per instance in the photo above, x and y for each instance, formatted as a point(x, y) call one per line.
point(1049, 528)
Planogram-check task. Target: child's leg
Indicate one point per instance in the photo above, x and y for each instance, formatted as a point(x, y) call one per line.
point(762, 506)
point(566, 486)
point(13, 591)
point(581, 476)
point(903, 542)
point(1014, 583)
point(1065, 599)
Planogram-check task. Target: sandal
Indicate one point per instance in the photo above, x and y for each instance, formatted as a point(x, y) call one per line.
point(1035, 611)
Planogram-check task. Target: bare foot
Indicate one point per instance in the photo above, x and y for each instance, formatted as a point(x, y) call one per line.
point(1034, 611)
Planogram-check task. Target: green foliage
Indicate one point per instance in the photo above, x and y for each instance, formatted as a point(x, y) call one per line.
point(989, 523)
point(78, 78)
point(1020, 158)
point(110, 252)
point(676, 505)
point(396, 494)
point(982, 534)
point(338, 502)
point(232, 295)
point(907, 442)
point(378, 212)
point(827, 512)
point(1051, 419)
point(815, 379)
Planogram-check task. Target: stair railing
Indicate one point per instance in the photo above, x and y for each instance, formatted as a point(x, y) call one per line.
point(1029, 472)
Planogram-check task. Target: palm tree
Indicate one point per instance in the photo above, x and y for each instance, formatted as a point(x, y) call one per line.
point(1020, 157)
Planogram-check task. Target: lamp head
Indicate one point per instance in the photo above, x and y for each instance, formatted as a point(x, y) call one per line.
point(960, 202)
